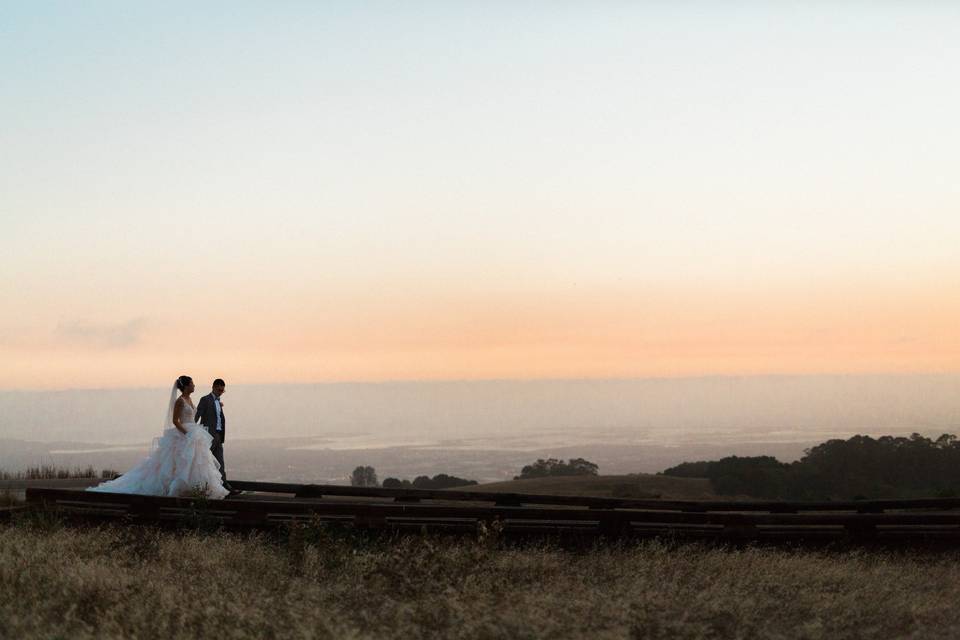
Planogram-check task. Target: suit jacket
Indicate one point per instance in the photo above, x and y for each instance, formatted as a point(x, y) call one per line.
point(207, 416)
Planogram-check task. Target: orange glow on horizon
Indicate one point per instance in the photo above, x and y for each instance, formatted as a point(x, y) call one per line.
point(655, 333)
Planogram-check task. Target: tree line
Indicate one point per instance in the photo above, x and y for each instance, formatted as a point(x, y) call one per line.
point(858, 468)
point(366, 476)
point(553, 467)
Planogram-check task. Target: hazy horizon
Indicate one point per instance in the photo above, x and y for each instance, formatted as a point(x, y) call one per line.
point(658, 411)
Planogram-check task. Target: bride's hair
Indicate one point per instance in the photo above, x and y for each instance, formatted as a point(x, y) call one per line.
point(183, 382)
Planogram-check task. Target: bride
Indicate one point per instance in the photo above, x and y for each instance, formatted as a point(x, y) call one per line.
point(180, 461)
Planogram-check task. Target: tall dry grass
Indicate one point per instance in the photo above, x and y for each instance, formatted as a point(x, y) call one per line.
point(316, 582)
point(52, 472)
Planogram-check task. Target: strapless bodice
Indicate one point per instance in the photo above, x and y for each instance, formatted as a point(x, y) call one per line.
point(187, 413)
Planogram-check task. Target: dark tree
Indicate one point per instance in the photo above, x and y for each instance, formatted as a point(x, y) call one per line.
point(421, 482)
point(553, 467)
point(441, 481)
point(364, 477)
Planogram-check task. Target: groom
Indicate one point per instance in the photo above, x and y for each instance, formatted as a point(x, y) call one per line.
point(210, 415)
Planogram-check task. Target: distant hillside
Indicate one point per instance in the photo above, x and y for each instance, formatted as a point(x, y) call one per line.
point(861, 467)
point(629, 486)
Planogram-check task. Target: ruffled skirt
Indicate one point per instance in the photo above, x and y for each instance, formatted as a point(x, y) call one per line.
point(178, 465)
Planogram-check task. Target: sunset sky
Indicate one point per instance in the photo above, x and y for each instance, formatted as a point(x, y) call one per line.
point(328, 191)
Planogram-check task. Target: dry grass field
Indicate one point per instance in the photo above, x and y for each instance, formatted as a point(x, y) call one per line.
point(60, 581)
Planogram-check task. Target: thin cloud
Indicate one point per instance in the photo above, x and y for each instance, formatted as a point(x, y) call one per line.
point(102, 335)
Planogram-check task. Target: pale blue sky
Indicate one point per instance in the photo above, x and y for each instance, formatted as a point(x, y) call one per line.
point(344, 147)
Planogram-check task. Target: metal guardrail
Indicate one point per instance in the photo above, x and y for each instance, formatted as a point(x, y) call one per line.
point(519, 499)
point(612, 522)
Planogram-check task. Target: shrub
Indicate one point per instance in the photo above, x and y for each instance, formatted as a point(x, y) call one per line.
point(364, 477)
point(553, 467)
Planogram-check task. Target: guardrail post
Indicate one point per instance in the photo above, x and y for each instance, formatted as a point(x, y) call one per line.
point(739, 528)
point(861, 530)
point(613, 525)
point(368, 521)
point(143, 509)
point(6, 512)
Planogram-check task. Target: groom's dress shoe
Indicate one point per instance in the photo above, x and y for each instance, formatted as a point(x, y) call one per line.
point(234, 492)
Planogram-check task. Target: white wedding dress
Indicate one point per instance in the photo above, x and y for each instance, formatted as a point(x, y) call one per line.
point(178, 463)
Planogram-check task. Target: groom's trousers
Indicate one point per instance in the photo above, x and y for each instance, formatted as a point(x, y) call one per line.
point(217, 449)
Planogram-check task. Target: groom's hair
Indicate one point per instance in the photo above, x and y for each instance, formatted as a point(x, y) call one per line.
point(219, 383)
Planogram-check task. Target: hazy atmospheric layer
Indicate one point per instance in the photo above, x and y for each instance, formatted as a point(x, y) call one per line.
point(515, 414)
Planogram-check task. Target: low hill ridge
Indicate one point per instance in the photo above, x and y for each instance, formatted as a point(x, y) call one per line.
point(626, 486)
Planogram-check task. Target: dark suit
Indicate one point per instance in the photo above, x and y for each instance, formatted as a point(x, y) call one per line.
point(207, 416)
